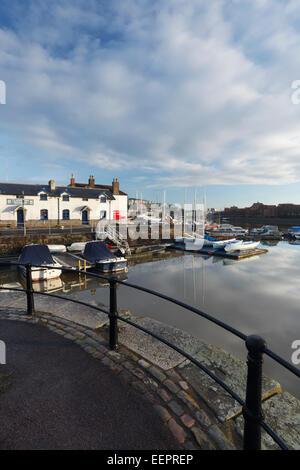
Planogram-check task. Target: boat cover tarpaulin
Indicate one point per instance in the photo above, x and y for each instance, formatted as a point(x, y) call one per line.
point(212, 239)
point(36, 255)
point(96, 251)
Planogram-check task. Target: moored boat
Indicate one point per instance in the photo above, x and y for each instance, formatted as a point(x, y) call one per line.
point(39, 255)
point(78, 246)
point(240, 245)
point(57, 248)
point(98, 254)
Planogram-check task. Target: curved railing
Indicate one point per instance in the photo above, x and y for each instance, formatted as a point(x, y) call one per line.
point(256, 346)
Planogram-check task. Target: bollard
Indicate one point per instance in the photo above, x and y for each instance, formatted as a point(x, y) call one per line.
point(113, 322)
point(29, 291)
point(252, 411)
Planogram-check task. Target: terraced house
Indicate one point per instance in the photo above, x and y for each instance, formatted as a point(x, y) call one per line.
point(76, 203)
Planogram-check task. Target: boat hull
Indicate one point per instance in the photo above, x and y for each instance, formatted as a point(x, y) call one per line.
point(111, 266)
point(42, 274)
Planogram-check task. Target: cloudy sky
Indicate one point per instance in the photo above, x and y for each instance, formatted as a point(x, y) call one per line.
point(163, 94)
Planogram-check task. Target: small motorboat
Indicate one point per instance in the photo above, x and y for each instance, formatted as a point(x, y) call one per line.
point(39, 255)
point(240, 245)
point(222, 243)
point(98, 254)
point(78, 246)
point(57, 248)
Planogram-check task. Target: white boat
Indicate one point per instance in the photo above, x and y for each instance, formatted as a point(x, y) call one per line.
point(227, 230)
point(240, 245)
point(79, 246)
point(39, 255)
point(222, 243)
point(57, 248)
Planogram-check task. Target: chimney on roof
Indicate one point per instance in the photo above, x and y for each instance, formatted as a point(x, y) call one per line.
point(91, 181)
point(52, 185)
point(72, 180)
point(115, 186)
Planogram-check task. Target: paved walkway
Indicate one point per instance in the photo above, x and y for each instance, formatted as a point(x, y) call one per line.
point(63, 398)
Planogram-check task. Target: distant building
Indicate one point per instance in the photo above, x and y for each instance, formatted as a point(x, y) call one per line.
point(76, 203)
point(262, 210)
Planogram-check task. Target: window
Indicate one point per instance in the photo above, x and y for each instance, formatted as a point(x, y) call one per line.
point(85, 199)
point(66, 197)
point(43, 197)
point(103, 199)
point(44, 214)
point(102, 215)
point(66, 214)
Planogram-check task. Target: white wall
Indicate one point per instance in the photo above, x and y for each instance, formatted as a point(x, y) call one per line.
point(32, 212)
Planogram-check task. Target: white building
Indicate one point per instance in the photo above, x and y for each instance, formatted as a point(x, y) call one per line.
point(76, 204)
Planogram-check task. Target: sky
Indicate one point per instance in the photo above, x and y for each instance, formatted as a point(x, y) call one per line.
point(165, 95)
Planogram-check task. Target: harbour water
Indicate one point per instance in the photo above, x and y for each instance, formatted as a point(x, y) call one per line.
point(258, 295)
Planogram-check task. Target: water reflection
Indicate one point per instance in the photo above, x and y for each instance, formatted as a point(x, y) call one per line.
point(255, 295)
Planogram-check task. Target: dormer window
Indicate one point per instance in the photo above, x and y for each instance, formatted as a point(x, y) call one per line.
point(66, 197)
point(103, 199)
point(43, 197)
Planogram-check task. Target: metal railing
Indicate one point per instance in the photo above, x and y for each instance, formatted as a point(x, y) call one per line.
point(256, 346)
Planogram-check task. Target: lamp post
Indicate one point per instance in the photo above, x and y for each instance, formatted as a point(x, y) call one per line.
point(23, 207)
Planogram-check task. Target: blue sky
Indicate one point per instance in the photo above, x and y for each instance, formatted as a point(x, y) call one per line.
point(164, 95)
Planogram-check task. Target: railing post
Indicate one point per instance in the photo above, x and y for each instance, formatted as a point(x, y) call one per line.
point(113, 323)
point(29, 291)
point(252, 411)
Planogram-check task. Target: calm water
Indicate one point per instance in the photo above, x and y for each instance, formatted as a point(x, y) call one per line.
point(257, 295)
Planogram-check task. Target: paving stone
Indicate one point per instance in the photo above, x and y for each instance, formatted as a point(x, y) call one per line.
point(108, 362)
point(164, 395)
point(143, 363)
point(91, 342)
point(138, 373)
point(232, 371)
point(157, 373)
point(188, 445)
point(114, 355)
point(163, 413)
point(201, 438)
point(176, 408)
point(187, 420)
point(155, 351)
point(184, 385)
point(173, 375)
point(203, 418)
point(149, 382)
point(68, 336)
point(188, 400)
point(171, 386)
point(220, 440)
point(177, 431)
point(282, 413)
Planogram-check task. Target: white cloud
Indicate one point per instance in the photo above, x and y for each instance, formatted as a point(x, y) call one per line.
point(193, 92)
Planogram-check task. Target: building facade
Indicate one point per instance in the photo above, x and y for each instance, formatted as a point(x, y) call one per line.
point(76, 203)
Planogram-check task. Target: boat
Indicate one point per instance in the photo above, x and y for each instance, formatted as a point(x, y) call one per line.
point(222, 243)
point(78, 246)
point(57, 248)
point(228, 230)
point(39, 255)
point(294, 232)
point(240, 245)
point(98, 254)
